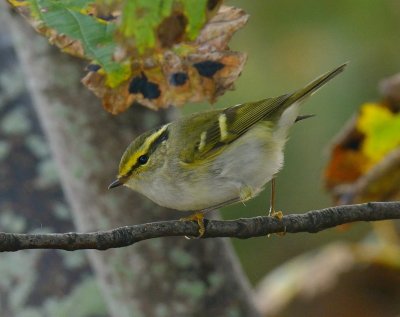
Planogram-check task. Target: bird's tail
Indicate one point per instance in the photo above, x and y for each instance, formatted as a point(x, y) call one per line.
point(312, 87)
point(290, 108)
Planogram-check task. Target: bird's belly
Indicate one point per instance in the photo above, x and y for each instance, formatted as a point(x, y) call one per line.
point(199, 195)
point(253, 161)
point(245, 165)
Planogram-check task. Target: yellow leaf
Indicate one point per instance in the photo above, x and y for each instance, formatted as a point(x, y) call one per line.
point(381, 128)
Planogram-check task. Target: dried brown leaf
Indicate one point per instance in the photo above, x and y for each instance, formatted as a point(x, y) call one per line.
point(193, 72)
point(353, 177)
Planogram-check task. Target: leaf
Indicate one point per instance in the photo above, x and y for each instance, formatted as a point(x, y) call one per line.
point(77, 33)
point(140, 20)
point(162, 23)
point(381, 128)
point(365, 158)
point(194, 72)
point(196, 14)
point(156, 53)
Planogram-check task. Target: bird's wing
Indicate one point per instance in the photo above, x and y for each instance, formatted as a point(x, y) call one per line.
point(225, 126)
point(222, 127)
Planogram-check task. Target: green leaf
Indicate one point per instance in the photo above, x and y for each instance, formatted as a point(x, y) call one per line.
point(141, 18)
point(195, 11)
point(96, 36)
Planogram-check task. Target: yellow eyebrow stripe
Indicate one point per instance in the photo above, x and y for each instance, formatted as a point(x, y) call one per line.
point(144, 149)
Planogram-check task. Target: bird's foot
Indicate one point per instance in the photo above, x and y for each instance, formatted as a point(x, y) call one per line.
point(278, 215)
point(199, 218)
point(275, 214)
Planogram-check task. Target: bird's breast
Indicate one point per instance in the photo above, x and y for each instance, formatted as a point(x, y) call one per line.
point(250, 161)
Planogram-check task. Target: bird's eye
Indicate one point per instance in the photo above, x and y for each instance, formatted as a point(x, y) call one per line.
point(143, 159)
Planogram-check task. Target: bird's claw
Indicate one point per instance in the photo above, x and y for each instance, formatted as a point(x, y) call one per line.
point(199, 218)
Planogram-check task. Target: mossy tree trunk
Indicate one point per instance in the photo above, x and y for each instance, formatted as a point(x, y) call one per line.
point(162, 277)
point(34, 282)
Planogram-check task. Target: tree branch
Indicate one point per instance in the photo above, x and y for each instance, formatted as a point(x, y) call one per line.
point(312, 221)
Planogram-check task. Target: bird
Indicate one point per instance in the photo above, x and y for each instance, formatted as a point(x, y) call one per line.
point(214, 158)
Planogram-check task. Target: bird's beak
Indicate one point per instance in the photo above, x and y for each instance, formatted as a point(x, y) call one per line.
point(115, 183)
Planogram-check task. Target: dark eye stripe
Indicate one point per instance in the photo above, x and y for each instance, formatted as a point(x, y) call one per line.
point(162, 137)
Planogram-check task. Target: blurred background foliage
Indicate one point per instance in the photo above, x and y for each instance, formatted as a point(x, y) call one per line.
point(289, 43)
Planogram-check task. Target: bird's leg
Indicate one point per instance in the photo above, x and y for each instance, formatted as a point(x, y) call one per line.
point(199, 218)
point(272, 212)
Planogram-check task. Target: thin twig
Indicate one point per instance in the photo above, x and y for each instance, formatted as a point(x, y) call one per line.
point(312, 221)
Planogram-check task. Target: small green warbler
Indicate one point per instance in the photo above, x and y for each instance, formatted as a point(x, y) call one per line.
point(214, 158)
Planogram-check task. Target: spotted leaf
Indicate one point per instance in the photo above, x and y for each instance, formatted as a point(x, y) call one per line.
point(154, 53)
